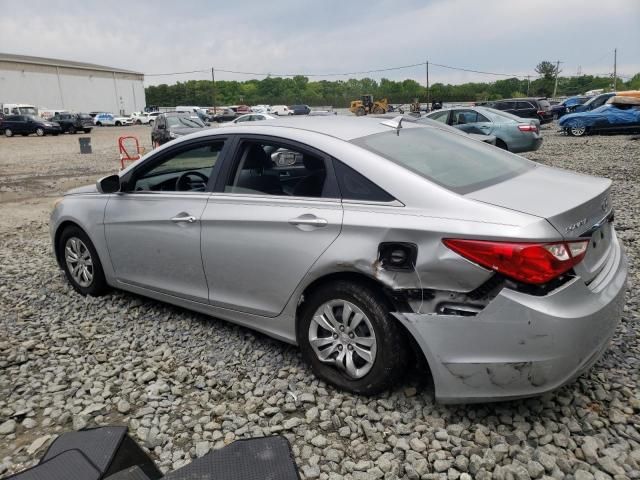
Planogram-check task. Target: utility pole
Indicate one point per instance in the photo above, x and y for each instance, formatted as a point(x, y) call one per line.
point(528, 84)
point(428, 102)
point(615, 71)
point(555, 87)
point(213, 79)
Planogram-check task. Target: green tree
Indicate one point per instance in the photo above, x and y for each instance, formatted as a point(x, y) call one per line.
point(546, 69)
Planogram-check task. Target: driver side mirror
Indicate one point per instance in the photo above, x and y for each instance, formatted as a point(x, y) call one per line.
point(110, 184)
point(160, 126)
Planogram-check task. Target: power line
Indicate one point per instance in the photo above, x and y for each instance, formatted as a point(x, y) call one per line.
point(337, 74)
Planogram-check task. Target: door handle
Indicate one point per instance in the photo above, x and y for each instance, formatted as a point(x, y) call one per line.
point(186, 218)
point(309, 220)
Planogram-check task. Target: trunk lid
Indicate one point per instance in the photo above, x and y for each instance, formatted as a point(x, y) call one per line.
point(576, 205)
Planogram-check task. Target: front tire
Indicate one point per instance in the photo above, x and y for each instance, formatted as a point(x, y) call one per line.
point(8, 132)
point(80, 262)
point(346, 333)
point(40, 132)
point(360, 111)
point(72, 130)
point(118, 124)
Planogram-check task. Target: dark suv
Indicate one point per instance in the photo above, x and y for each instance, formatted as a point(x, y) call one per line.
point(170, 125)
point(300, 109)
point(74, 122)
point(27, 124)
point(539, 108)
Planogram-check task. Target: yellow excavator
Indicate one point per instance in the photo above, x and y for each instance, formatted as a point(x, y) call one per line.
point(367, 105)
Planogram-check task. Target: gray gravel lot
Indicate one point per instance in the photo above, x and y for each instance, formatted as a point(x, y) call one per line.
point(185, 383)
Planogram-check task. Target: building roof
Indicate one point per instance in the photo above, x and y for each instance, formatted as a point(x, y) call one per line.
point(54, 62)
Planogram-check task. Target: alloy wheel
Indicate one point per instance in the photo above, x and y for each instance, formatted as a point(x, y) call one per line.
point(79, 262)
point(8, 132)
point(578, 131)
point(341, 334)
point(39, 132)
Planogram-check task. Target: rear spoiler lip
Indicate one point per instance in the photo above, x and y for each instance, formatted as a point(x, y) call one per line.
point(608, 218)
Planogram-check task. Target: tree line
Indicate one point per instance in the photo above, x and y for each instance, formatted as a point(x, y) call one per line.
point(339, 93)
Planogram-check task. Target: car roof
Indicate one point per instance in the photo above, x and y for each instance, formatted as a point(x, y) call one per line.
point(344, 127)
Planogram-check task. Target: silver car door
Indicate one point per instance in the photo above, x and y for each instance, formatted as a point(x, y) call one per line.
point(262, 234)
point(153, 228)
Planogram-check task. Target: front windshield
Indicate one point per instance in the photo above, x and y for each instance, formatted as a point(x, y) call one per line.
point(454, 162)
point(188, 122)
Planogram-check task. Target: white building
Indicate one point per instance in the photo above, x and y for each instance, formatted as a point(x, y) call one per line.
point(74, 86)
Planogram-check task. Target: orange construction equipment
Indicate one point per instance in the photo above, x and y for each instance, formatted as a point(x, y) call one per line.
point(130, 150)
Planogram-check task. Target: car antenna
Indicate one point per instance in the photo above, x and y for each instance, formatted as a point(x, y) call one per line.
point(395, 122)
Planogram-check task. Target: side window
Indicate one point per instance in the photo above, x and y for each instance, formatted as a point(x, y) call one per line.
point(271, 168)
point(523, 106)
point(462, 117)
point(186, 171)
point(354, 186)
point(481, 118)
point(440, 117)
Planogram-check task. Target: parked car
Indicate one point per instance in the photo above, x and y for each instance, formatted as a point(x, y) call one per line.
point(225, 115)
point(280, 110)
point(512, 133)
point(74, 122)
point(152, 117)
point(567, 106)
point(300, 109)
point(28, 124)
point(538, 108)
point(609, 118)
point(104, 119)
point(261, 109)
point(250, 117)
point(140, 118)
point(594, 102)
point(171, 125)
point(364, 238)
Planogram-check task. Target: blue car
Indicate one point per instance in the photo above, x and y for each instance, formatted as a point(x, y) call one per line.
point(567, 106)
point(594, 103)
point(610, 118)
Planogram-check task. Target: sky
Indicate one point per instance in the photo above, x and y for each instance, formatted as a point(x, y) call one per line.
point(328, 36)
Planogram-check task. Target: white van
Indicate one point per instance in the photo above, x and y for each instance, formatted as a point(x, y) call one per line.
point(280, 110)
point(18, 109)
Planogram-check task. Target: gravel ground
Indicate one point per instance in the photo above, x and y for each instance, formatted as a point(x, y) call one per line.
point(185, 383)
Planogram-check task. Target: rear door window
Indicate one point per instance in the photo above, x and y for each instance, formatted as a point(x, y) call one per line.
point(452, 161)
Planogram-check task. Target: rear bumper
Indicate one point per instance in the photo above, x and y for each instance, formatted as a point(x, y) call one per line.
point(521, 345)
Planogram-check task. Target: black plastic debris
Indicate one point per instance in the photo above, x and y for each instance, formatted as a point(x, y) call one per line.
point(108, 453)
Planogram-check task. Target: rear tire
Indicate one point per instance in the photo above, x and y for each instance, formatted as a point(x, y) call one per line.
point(138, 122)
point(8, 132)
point(118, 124)
point(377, 336)
point(77, 254)
point(577, 131)
point(378, 110)
point(40, 132)
point(360, 112)
point(151, 123)
point(72, 130)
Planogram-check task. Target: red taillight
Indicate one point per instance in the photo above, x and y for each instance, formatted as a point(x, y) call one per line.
point(541, 112)
point(535, 263)
point(527, 128)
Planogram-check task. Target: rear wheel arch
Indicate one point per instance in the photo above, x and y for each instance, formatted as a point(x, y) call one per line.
point(501, 144)
point(412, 352)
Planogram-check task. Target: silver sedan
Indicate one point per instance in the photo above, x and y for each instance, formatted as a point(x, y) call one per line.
point(512, 133)
point(370, 245)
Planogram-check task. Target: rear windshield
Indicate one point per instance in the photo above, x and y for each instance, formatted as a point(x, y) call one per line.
point(499, 115)
point(455, 162)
